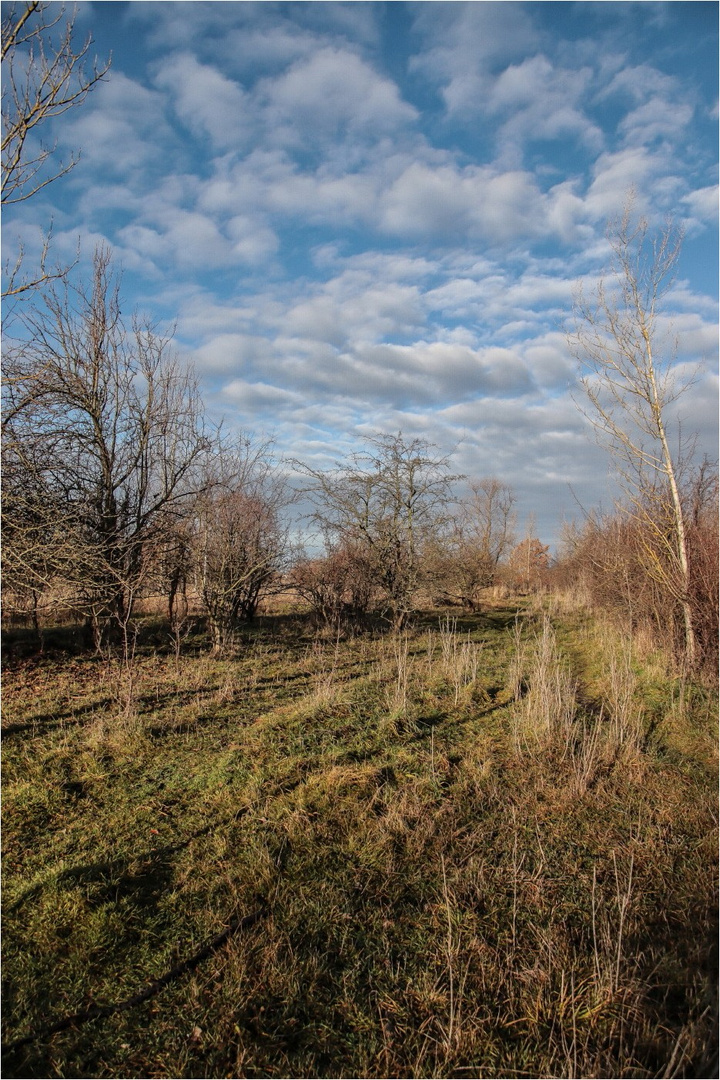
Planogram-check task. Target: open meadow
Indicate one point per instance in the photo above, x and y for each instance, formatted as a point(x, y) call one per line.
point(483, 846)
point(360, 510)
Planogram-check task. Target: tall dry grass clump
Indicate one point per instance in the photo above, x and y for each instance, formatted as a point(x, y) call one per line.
point(549, 715)
point(545, 692)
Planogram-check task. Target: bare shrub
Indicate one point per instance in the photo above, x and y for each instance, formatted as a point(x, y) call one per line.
point(237, 541)
point(616, 560)
point(466, 559)
point(338, 586)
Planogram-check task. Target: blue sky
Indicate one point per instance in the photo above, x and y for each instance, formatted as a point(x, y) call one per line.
point(369, 217)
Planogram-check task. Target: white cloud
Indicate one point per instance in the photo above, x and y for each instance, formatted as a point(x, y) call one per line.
point(541, 102)
point(638, 83)
point(119, 129)
point(253, 242)
point(332, 94)
point(192, 240)
point(465, 43)
point(262, 397)
point(453, 203)
point(550, 362)
point(695, 338)
point(703, 204)
point(208, 103)
point(613, 176)
point(655, 119)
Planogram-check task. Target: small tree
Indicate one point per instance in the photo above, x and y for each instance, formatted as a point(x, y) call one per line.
point(630, 384)
point(237, 540)
point(529, 562)
point(388, 501)
point(466, 559)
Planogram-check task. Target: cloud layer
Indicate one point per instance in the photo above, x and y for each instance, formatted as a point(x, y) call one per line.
point(364, 216)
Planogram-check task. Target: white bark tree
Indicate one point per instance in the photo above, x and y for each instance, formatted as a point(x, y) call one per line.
point(630, 382)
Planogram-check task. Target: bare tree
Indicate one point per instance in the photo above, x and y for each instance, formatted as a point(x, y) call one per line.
point(102, 433)
point(238, 542)
point(529, 562)
point(466, 559)
point(614, 559)
point(388, 501)
point(630, 383)
point(43, 77)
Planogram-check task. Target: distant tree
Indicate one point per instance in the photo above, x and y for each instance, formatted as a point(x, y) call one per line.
point(102, 436)
point(43, 76)
point(387, 502)
point(465, 560)
point(237, 541)
point(338, 586)
point(529, 562)
point(630, 383)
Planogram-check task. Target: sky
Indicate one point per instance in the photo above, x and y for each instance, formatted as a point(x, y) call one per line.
point(370, 217)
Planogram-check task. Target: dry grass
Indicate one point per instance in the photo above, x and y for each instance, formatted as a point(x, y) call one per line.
point(487, 847)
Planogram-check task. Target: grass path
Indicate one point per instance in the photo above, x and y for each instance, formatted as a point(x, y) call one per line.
point(487, 848)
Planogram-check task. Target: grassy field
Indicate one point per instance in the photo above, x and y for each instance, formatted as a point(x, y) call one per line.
point(484, 848)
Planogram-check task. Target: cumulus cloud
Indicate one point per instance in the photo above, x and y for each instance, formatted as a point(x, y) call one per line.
point(207, 102)
point(465, 43)
point(614, 174)
point(703, 204)
point(119, 129)
point(655, 119)
point(329, 94)
point(453, 202)
point(541, 101)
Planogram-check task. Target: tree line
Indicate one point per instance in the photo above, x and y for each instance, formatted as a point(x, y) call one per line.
point(114, 485)
point(115, 488)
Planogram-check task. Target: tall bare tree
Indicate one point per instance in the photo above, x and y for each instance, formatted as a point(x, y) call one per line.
point(43, 76)
point(630, 382)
point(387, 501)
point(103, 432)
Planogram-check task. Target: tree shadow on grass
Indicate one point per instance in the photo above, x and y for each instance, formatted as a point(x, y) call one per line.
point(134, 874)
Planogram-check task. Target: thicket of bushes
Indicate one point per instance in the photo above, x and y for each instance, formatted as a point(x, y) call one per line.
point(621, 563)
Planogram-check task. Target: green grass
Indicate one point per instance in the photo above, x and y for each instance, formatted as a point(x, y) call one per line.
point(456, 885)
